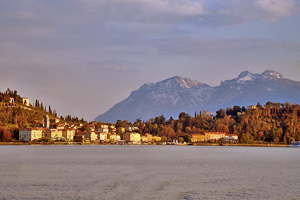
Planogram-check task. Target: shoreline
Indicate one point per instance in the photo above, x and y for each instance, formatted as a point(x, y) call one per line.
point(195, 144)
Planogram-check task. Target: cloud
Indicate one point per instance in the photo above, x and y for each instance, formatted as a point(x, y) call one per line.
point(277, 8)
point(201, 12)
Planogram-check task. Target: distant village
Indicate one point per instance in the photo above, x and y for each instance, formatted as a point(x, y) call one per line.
point(55, 130)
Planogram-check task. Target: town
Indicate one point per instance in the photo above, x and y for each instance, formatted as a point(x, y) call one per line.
point(53, 130)
point(96, 132)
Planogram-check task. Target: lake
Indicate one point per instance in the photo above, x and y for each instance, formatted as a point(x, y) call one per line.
point(149, 172)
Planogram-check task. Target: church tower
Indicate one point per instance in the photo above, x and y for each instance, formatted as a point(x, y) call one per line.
point(47, 122)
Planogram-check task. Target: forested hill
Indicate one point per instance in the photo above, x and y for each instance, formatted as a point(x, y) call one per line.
point(272, 123)
point(15, 114)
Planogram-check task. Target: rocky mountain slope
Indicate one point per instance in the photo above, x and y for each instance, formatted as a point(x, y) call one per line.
point(174, 95)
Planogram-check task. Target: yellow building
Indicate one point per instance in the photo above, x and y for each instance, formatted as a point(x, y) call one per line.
point(112, 137)
point(69, 134)
point(26, 101)
point(144, 139)
point(132, 137)
point(214, 135)
point(156, 139)
point(30, 134)
point(149, 136)
point(198, 138)
point(53, 134)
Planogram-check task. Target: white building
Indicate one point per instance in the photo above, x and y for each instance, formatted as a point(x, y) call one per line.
point(26, 101)
point(30, 134)
point(102, 137)
point(103, 128)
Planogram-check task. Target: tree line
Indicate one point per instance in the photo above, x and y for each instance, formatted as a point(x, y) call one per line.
point(272, 123)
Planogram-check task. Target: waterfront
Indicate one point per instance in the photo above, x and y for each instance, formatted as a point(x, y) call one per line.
point(148, 172)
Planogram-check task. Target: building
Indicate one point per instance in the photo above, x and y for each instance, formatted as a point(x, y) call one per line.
point(231, 138)
point(132, 137)
point(144, 139)
point(69, 134)
point(121, 130)
point(90, 127)
point(87, 136)
point(103, 128)
point(26, 101)
point(207, 136)
point(102, 137)
point(198, 138)
point(132, 128)
point(156, 139)
point(54, 121)
point(11, 100)
point(53, 134)
point(214, 135)
point(251, 107)
point(149, 137)
point(112, 137)
point(30, 134)
point(46, 122)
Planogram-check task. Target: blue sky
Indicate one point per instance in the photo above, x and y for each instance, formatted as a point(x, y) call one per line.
point(84, 56)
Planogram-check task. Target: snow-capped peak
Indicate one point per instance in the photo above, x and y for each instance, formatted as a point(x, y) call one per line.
point(271, 74)
point(187, 82)
point(245, 76)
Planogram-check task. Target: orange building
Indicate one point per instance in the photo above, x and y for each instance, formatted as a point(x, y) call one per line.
point(198, 138)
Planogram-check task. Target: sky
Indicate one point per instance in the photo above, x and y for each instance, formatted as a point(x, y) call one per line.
point(84, 56)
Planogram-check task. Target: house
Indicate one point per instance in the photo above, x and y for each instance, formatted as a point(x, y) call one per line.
point(112, 137)
point(198, 138)
point(214, 135)
point(251, 107)
point(87, 136)
point(121, 129)
point(132, 137)
point(11, 100)
point(26, 101)
point(90, 127)
point(149, 137)
point(31, 134)
point(132, 128)
point(69, 134)
point(54, 121)
point(144, 139)
point(53, 134)
point(103, 128)
point(102, 137)
point(156, 139)
point(231, 138)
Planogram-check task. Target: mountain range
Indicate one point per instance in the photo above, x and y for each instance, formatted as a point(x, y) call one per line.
point(175, 95)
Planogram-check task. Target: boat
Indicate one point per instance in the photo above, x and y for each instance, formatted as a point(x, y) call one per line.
point(295, 144)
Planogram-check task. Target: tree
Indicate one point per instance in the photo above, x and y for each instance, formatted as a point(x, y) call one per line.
point(221, 113)
point(181, 139)
point(5, 134)
point(50, 111)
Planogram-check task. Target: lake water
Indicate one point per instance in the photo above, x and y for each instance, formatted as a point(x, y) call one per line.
point(149, 172)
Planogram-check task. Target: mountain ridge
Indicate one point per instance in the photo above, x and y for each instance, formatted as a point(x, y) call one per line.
point(177, 94)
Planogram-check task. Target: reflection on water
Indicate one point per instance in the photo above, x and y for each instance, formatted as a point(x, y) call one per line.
point(148, 172)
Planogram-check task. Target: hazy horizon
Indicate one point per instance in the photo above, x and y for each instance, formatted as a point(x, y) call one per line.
point(82, 57)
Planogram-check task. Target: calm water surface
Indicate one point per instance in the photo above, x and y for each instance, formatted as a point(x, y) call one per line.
point(149, 172)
